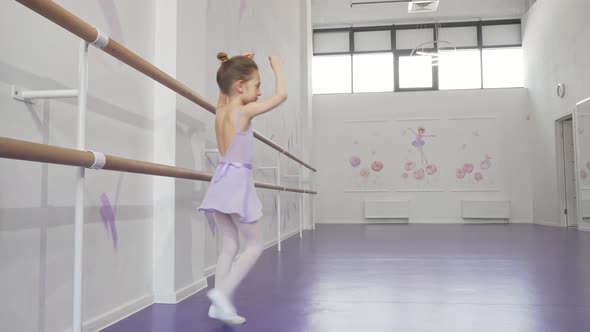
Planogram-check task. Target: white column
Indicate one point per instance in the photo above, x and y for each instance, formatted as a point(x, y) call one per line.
point(164, 153)
point(307, 96)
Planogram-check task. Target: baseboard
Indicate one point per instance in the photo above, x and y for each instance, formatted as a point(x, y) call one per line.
point(584, 227)
point(191, 289)
point(176, 296)
point(436, 222)
point(548, 223)
point(288, 235)
point(283, 238)
point(117, 314)
point(359, 222)
point(123, 311)
point(210, 270)
point(521, 221)
point(414, 221)
point(485, 221)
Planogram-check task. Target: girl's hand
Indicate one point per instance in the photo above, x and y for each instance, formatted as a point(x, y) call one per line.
point(249, 55)
point(275, 61)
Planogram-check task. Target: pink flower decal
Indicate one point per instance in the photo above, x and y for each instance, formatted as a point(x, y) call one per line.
point(377, 166)
point(431, 169)
point(410, 165)
point(460, 173)
point(405, 176)
point(365, 173)
point(478, 176)
point(583, 174)
point(419, 174)
point(355, 161)
point(468, 168)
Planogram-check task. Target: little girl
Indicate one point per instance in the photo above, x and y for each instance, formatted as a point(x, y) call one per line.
point(231, 199)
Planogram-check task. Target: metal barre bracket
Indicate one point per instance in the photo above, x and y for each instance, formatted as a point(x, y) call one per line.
point(99, 160)
point(101, 41)
point(19, 94)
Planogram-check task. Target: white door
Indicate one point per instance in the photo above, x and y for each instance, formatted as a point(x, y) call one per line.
point(569, 172)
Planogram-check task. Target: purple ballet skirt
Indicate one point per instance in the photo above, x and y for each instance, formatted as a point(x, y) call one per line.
point(418, 143)
point(231, 190)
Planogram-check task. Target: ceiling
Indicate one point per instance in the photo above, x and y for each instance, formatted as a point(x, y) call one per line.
point(339, 12)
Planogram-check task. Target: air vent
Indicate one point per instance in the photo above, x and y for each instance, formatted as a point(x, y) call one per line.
point(422, 6)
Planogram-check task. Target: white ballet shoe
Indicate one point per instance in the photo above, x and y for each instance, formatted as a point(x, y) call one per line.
point(227, 318)
point(221, 301)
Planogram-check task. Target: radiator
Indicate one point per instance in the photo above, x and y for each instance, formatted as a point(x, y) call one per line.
point(387, 209)
point(485, 210)
point(586, 208)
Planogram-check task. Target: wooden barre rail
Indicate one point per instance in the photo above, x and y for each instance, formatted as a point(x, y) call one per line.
point(23, 150)
point(80, 28)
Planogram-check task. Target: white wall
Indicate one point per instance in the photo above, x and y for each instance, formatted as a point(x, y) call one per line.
point(339, 12)
point(36, 214)
point(556, 49)
point(509, 106)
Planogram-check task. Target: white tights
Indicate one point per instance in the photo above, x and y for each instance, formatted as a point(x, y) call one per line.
point(229, 274)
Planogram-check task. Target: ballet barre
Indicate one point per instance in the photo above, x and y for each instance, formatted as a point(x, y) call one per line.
point(30, 151)
point(92, 35)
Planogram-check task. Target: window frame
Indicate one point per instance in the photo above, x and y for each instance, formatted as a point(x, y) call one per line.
point(393, 28)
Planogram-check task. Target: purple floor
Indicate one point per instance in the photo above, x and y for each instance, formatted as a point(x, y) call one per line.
point(373, 278)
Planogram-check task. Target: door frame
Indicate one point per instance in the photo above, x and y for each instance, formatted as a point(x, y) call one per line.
point(582, 225)
point(560, 166)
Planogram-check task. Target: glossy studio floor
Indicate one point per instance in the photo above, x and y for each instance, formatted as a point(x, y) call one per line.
point(383, 278)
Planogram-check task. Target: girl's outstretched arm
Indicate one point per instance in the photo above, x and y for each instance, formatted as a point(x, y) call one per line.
point(256, 108)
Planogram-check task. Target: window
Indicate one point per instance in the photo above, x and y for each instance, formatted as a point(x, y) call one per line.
point(502, 68)
point(501, 35)
point(408, 39)
point(331, 74)
point(372, 72)
point(459, 70)
point(412, 57)
point(462, 36)
point(372, 41)
point(415, 72)
point(331, 42)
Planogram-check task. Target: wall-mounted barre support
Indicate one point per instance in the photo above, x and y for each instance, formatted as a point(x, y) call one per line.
point(277, 171)
point(299, 181)
point(28, 96)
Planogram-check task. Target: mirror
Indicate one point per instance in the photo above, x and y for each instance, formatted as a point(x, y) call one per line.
point(582, 143)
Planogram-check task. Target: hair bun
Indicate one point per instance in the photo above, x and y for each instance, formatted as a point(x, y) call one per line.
point(222, 56)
